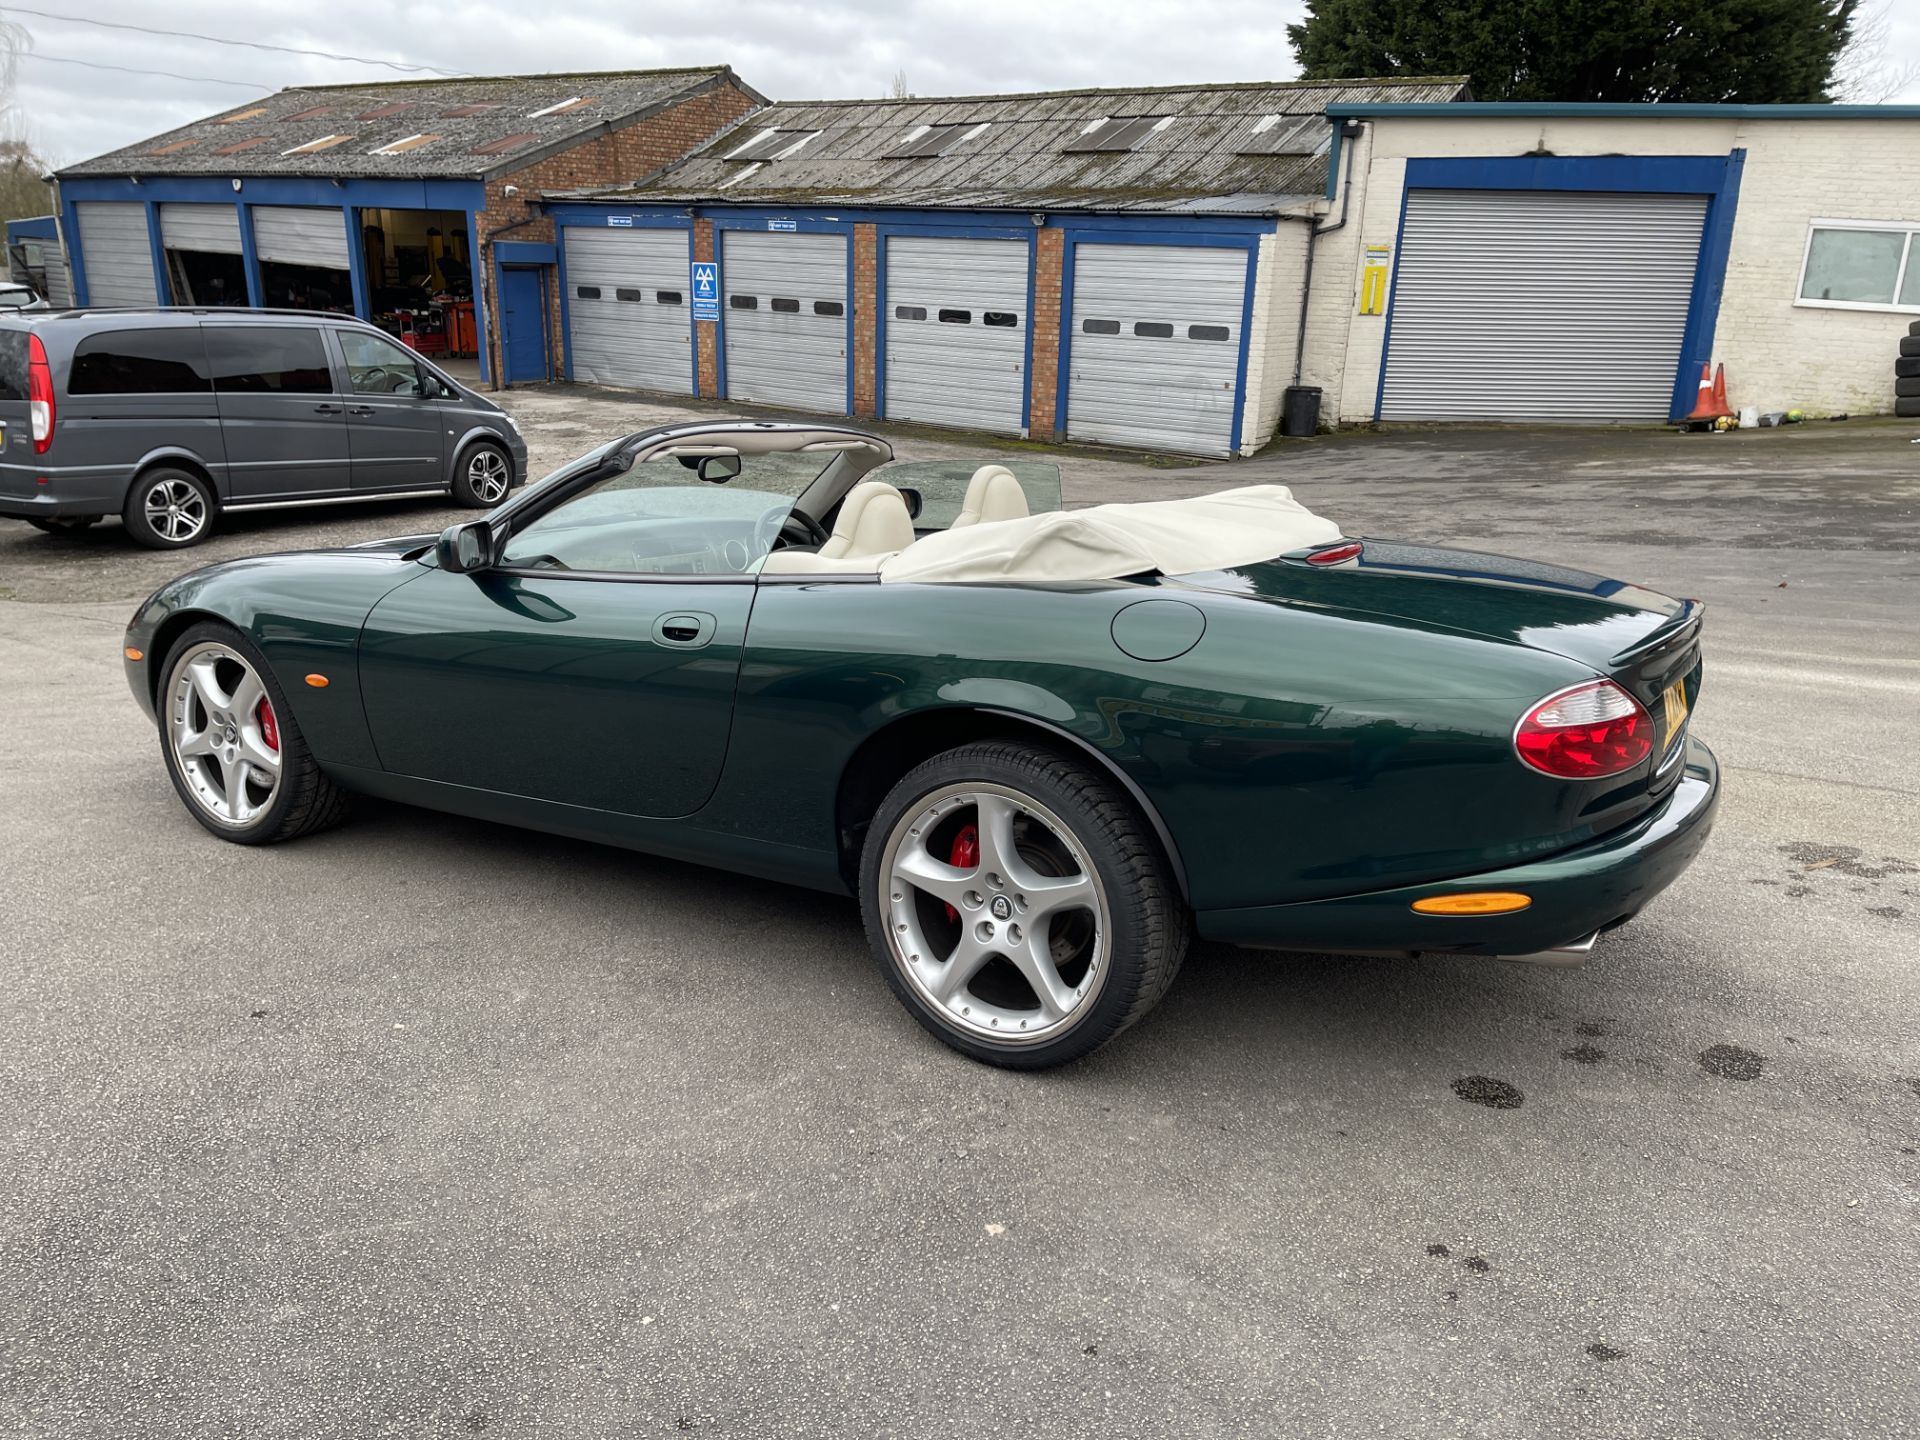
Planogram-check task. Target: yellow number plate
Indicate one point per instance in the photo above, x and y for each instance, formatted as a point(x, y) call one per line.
point(1675, 703)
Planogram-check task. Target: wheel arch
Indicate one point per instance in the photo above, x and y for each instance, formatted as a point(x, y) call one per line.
point(178, 460)
point(890, 752)
point(166, 636)
point(476, 435)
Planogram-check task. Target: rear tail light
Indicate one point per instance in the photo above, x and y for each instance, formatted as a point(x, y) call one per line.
point(39, 395)
point(1337, 554)
point(1587, 732)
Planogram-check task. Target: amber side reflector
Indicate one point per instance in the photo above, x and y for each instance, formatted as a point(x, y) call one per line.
point(1478, 902)
point(319, 682)
point(133, 654)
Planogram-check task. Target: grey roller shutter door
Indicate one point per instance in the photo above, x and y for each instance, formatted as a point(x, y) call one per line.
point(301, 235)
point(784, 309)
point(627, 308)
point(956, 331)
point(1155, 352)
point(212, 229)
point(59, 283)
point(1540, 305)
point(117, 253)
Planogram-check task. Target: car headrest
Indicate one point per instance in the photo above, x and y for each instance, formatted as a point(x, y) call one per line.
point(992, 494)
point(873, 520)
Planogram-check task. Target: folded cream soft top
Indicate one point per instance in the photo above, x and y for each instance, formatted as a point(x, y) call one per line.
point(1107, 542)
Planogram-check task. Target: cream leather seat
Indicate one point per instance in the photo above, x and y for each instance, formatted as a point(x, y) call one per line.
point(873, 520)
point(992, 494)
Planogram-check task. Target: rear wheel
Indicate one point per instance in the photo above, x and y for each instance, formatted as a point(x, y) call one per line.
point(484, 476)
point(169, 509)
point(1018, 904)
point(232, 748)
point(64, 524)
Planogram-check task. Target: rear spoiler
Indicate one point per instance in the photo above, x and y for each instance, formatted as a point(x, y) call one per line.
point(1682, 625)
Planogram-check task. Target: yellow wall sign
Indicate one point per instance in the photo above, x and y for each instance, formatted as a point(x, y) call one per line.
point(1373, 279)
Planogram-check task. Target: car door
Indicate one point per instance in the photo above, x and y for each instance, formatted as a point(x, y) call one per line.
point(594, 662)
point(284, 427)
point(395, 429)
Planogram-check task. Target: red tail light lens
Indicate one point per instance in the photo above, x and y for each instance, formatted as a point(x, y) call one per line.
point(39, 395)
point(1587, 732)
point(1337, 554)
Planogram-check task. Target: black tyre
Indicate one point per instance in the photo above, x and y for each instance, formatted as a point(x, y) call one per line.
point(1906, 387)
point(1907, 408)
point(64, 524)
point(483, 475)
point(169, 509)
point(1906, 369)
point(1019, 904)
point(1910, 346)
point(1914, 328)
point(232, 747)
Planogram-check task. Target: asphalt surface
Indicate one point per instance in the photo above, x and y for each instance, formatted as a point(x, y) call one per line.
point(425, 1127)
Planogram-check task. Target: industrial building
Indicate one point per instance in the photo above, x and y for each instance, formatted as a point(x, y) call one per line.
point(400, 203)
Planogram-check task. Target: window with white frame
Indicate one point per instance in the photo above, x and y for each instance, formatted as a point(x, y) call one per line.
point(1862, 264)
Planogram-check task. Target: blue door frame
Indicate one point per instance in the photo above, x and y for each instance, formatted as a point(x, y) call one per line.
point(1715, 176)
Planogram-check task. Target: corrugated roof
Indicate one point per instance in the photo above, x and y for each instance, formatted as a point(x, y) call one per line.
point(468, 119)
point(1019, 160)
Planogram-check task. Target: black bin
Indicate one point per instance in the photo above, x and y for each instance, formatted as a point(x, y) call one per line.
point(1300, 410)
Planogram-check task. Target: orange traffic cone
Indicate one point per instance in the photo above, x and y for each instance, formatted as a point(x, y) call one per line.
point(1712, 404)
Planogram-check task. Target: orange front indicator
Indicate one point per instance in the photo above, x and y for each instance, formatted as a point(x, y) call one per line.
point(319, 682)
point(1477, 902)
point(133, 654)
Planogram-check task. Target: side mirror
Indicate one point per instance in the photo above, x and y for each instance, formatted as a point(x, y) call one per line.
point(718, 469)
point(914, 501)
point(465, 548)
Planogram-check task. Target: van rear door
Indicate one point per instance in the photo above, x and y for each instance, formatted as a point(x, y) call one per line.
point(284, 423)
point(17, 470)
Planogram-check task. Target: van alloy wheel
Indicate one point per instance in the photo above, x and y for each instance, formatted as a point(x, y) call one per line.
point(488, 475)
point(175, 508)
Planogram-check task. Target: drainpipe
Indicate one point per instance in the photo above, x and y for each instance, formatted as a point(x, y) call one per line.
point(1350, 132)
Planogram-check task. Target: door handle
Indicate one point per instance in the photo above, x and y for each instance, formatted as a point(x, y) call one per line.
point(361, 410)
point(326, 409)
point(685, 629)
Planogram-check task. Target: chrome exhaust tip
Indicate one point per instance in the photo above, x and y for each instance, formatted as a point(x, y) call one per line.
point(1563, 957)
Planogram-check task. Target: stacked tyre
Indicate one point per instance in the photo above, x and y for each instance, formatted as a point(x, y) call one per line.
point(1906, 374)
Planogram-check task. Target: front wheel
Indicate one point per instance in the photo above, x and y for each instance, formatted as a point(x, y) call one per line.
point(169, 509)
point(483, 477)
point(232, 748)
point(1019, 904)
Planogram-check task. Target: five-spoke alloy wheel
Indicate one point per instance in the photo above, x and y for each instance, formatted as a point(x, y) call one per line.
point(485, 477)
point(233, 749)
point(168, 509)
point(1019, 904)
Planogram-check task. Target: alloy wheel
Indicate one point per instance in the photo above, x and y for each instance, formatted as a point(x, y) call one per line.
point(996, 915)
point(488, 475)
point(223, 734)
point(176, 509)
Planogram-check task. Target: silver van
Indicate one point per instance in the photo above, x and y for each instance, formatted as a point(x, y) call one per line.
point(170, 417)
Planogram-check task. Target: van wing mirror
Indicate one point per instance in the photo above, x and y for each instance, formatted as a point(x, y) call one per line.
point(465, 548)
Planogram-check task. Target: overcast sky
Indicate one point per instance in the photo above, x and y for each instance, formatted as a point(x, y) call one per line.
point(796, 50)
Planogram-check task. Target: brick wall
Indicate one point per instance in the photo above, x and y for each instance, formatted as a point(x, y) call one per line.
point(708, 336)
point(866, 299)
point(1778, 353)
point(1049, 258)
point(621, 155)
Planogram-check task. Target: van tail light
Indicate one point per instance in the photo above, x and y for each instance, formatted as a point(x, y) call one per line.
point(1586, 732)
point(39, 395)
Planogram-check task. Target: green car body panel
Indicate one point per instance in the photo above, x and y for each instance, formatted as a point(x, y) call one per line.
point(1316, 747)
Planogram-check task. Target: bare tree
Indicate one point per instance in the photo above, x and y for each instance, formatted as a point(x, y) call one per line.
point(1868, 72)
point(23, 186)
point(900, 91)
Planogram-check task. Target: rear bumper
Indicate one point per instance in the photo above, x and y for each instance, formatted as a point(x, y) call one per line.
point(1576, 893)
point(65, 492)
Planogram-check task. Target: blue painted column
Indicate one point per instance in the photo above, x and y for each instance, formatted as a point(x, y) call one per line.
point(76, 262)
point(157, 253)
point(477, 267)
point(250, 257)
point(356, 262)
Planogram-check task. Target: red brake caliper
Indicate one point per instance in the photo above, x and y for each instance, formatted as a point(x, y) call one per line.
point(269, 729)
point(965, 855)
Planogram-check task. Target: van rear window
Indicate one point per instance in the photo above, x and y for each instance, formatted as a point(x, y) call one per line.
point(13, 364)
point(140, 362)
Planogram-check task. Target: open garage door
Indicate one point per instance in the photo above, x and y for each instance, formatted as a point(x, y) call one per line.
point(116, 253)
point(1155, 352)
point(1540, 305)
point(627, 310)
point(785, 317)
point(204, 265)
point(956, 331)
point(303, 257)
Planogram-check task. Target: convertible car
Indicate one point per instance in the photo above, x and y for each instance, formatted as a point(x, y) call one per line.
point(1040, 747)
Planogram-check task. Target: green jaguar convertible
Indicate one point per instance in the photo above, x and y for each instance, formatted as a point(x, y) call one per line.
point(1041, 747)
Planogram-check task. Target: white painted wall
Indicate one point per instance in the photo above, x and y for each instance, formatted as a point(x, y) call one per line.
point(1278, 274)
point(1778, 354)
